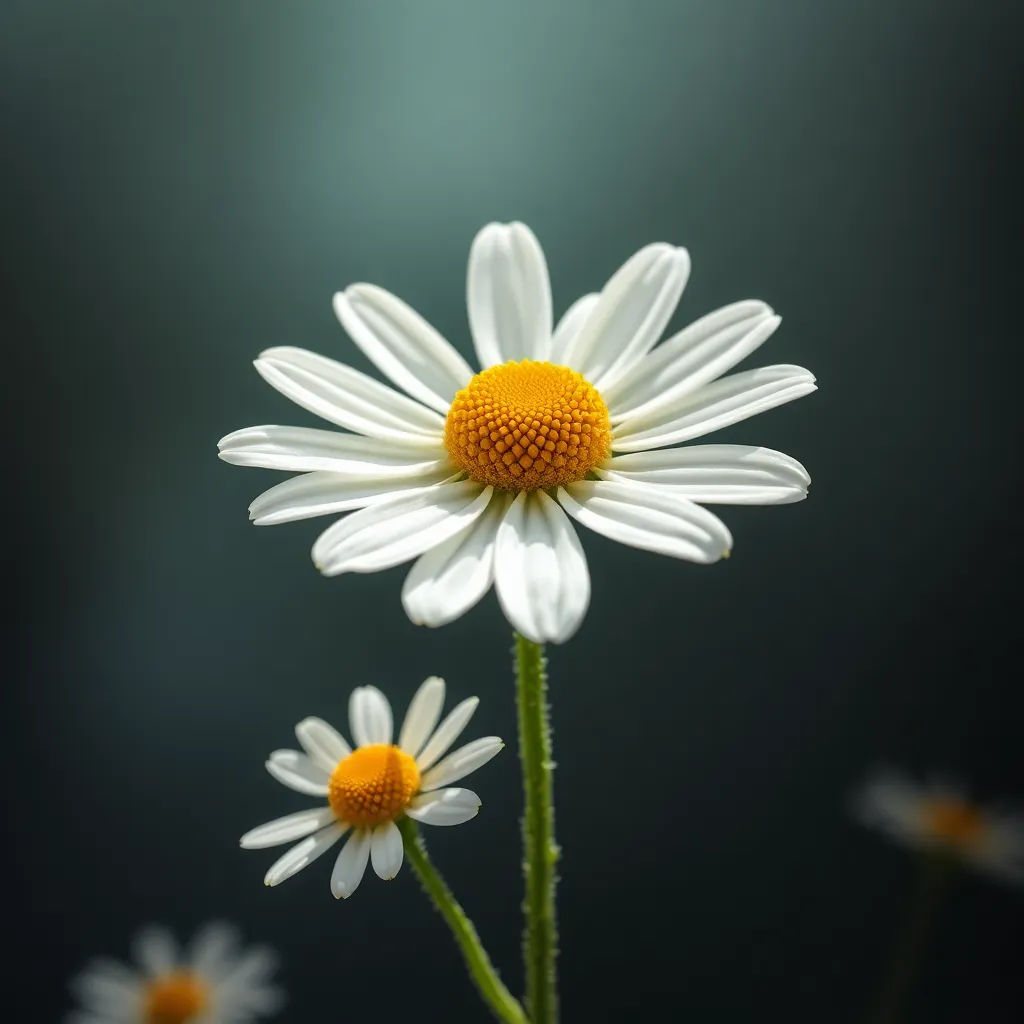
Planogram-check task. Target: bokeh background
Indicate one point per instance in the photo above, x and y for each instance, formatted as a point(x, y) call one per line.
point(186, 184)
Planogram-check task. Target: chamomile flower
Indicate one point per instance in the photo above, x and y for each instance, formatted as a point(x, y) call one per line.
point(213, 982)
point(370, 787)
point(939, 817)
point(472, 474)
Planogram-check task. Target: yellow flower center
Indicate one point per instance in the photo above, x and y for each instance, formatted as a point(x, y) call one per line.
point(954, 822)
point(527, 425)
point(373, 784)
point(175, 998)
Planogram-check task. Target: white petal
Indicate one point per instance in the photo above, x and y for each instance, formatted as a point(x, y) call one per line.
point(447, 732)
point(344, 396)
point(321, 494)
point(447, 580)
point(304, 853)
point(732, 474)
point(253, 968)
point(460, 763)
point(303, 449)
point(571, 324)
point(108, 987)
point(540, 570)
point(298, 772)
point(213, 950)
point(324, 744)
point(155, 950)
point(351, 864)
point(631, 313)
point(695, 356)
point(287, 829)
point(444, 807)
point(647, 517)
point(402, 345)
point(386, 850)
point(420, 719)
point(394, 531)
point(508, 295)
point(714, 406)
point(369, 716)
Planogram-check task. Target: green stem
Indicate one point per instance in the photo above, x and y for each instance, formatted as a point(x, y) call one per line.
point(912, 940)
point(540, 853)
point(481, 970)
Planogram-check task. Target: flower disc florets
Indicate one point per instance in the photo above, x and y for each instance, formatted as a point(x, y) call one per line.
point(522, 426)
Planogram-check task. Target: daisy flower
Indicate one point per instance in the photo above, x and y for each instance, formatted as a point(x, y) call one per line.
point(214, 982)
point(367, 789)
point(938, 817)
point(476, 475)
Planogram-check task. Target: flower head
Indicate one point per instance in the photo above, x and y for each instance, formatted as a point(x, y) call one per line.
point(212, 983)
point(940, 818)
point(369, 787)
point(472, 474)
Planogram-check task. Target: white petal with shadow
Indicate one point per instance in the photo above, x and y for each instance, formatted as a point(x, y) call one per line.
point(449, 579)
point(369, 716)
point(395, 531)
point(649, 518)
point(304, 449)
point(386, 850)
point(423, 714)
point(324, 744)
point(508, 295)
point(540, 571)
point(287, 829)
point(298, 771)
point(730, 474)
point(460, 763)
point(350, 866)
point(444, 807)
point(633, 309)
point(402, 345)
point(346, 397)
point(303, 854)
point(320, 494)
point(697, 355)
point(714, 406)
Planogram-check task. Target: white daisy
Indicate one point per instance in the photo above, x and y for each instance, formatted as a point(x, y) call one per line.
point(212, 983)
point(939, 817)
point(472, 474)
point(369, 788)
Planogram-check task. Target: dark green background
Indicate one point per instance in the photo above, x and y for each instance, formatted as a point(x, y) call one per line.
point(188, 183)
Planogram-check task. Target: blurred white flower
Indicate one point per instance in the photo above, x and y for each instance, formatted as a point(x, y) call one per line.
point(213, 982)
point(939, 817)
point(473, 473)
point(367, 789)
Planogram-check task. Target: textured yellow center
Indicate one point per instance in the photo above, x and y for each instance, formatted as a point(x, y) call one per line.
point(175, 998)
point(528, 425)
point(373, 784)
point(953, 821)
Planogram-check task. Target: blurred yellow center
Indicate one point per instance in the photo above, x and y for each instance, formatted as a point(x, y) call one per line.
point(175, 998)
point(953, 821)
point(373, 784)
point(527, 425)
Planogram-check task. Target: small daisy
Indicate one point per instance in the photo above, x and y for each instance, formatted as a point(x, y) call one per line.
point(369, 788)
point(212, 983)
point(472, 474)
point(939, 818)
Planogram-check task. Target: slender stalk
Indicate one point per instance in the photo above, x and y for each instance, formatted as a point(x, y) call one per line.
point(505, 1006)
point(540, 853)
point(912, 939)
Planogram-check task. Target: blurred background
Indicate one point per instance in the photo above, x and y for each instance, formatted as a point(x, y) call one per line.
point(187, 184)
